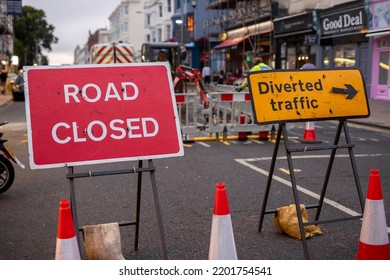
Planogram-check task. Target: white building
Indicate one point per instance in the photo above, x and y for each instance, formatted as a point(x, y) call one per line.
point(6, 31)
point(127, 23)
point(158, 23)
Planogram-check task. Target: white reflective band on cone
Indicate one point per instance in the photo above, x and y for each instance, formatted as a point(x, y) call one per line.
point(374, 218)
point(67, 249)
point(222, 245)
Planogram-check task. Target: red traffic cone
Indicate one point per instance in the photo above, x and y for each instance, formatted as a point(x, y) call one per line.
point(310, 134)
point(66, 247)
point(374, 239)
point(222, 245)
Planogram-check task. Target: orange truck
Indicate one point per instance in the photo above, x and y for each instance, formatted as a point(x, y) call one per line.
point(112, 53)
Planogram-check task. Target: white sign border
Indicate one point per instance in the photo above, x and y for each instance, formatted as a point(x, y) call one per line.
point(112, 160)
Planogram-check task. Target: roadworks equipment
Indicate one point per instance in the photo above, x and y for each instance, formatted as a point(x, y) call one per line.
point(374, 238)
point(222, 245)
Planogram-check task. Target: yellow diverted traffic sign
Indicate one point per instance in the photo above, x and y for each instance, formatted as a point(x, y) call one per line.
point(300, 95)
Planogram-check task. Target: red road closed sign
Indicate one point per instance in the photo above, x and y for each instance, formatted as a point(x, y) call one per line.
point(100, 113)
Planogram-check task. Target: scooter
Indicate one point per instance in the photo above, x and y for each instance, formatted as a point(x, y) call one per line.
point(7, 171)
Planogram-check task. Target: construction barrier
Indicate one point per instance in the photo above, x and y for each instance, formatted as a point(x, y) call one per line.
point(188, 106)
point(228, 112)
point(374, 239)
point(233, 111)
point(66, 246)
point(222, 245)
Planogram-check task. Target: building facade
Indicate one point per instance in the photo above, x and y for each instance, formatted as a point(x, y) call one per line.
point(245, 31)
point(379, 32)
point(342, 37)
point(227, 34)
point(127, 23)
point(82, 53)
point(6, 31)
point(157, 21)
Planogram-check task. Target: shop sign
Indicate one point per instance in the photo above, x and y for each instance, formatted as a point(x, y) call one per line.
point(341, 23)
point(250, 11)
point(80, 115)
point(293, 24)
point(291, 96)
point(310, 39)
point(14, 7)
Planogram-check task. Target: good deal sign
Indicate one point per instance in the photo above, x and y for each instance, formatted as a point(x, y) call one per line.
point(100, 113)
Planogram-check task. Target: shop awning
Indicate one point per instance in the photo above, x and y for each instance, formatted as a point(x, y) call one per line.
point(230, 42)
point(378, 33)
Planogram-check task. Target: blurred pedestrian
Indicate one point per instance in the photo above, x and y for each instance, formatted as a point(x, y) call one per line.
point(221, 77)
point(308, 64)
point(206, 74)
point(162, 56)
point(3, 80)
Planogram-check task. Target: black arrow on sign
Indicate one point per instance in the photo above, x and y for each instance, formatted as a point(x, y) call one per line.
point(350, 91)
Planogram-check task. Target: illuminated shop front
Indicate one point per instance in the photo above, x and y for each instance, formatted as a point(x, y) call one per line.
point(380, 37)
point(343, 38)
point(295, 40)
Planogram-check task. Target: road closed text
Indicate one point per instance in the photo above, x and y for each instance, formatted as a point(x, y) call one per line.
point(99, 130)
point(117, 129)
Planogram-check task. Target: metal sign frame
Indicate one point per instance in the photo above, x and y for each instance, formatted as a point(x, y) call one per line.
point(282, 132)
point(71, 176)
point(134, 80)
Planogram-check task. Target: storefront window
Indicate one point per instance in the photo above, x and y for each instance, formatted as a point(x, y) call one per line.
point(327, 52)
point(291, 57)
point(384, 43)
point(383, 67)
point(283, 47)
point(344, 55)
point(283, 60)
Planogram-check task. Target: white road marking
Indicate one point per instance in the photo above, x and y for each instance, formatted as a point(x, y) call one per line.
point(246, 162)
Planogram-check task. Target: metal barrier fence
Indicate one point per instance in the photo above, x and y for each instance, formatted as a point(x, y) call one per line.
point(228, 112)
point(188, 106)
point(232, 112)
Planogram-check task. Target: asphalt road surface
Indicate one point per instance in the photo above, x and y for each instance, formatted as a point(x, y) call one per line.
point(186, 188)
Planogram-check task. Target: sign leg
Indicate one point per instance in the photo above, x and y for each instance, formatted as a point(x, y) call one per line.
point(270, 174)
point(72, 194)
point(158, 212)
point(296, 196)
point(137, 215)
